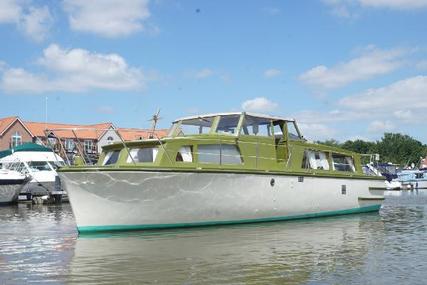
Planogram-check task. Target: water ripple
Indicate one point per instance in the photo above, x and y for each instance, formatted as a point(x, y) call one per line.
point(39, 244)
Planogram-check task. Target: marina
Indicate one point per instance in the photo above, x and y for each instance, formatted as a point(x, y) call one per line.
point(371, 248)
point(213, 142)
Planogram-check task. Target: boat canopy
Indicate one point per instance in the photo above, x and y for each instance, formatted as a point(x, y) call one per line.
point(24, 147)
point(237, 123)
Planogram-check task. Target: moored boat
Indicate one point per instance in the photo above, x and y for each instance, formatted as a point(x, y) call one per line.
point(39, 163)
point(11, 183)
point(219, 169)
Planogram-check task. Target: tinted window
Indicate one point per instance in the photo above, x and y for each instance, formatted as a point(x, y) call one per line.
point(146, 154)
point(111, 157)
point(315, 160)
point(185, 154)
point(342, 162)
point(219, 154)
point(228, 124)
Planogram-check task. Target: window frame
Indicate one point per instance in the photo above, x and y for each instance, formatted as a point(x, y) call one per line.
point(16, 139)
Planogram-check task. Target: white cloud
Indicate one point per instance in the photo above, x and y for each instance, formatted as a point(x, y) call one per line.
point(371, 63)
point(380, 126)
point(351, 8)
point(406, 115)
point(74, 70)
point(395, 4)
point(10, 11)
point(3, 66)
point(203, 73)
point(34, 22)
point(259, 104)
point(316, 131)
point(421, 65)
point(342, 8)
point(272, 72)
point(410, 93)
point(108, 18)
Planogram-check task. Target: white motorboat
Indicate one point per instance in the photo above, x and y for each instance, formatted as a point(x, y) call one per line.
point(11, 183)
point(219, 169)
point(40, 163)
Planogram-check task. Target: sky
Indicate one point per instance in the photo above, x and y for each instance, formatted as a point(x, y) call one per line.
point(344, 69)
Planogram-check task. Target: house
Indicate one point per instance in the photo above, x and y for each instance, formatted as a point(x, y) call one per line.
point(69, 139)
point(128, 134)
point(13, 132)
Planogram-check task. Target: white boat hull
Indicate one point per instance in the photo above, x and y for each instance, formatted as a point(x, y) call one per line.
point(10, 189)
point(118, 200)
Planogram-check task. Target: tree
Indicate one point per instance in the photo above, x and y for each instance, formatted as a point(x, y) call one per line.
point(360, 146)
point(400, 149)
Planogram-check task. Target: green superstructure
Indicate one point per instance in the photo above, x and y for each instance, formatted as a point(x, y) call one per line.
point(231, 142)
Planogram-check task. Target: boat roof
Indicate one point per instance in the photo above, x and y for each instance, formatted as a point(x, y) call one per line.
point(269, 117)
point(25, 147)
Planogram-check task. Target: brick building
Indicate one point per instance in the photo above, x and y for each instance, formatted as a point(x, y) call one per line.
point(87, 139)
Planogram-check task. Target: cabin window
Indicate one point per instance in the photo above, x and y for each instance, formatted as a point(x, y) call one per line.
point(219, 154)
point(228, 124)
point(56, 164)
point(277, 131)
point(185, 154)
point(111, 157)
point(292, 131)
point(146, 154)
point(255, 126)
point(110, 140)
point(39, 166)
point(16, 166)
point(343, 163)
point(196, 126)
point(16, 139)
point(315, 160)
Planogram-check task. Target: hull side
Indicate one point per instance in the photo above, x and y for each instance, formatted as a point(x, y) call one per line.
point(113, 200)
point(9, 192)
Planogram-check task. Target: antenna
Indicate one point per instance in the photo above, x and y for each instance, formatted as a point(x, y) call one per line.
point(154, 121)
point(45, 117)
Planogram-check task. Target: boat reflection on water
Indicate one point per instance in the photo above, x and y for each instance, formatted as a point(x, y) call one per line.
point(295, 252)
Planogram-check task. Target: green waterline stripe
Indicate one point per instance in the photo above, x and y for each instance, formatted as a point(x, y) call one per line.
point(88, 229)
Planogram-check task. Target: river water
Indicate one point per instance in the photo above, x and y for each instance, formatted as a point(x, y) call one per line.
point(39, 244)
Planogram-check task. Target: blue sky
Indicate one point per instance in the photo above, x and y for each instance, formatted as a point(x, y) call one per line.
point(345, 69)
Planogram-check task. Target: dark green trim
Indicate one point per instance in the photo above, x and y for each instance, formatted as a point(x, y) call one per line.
point(371, 198)
point(378, 188)
point(223, 171)
point(88, 229)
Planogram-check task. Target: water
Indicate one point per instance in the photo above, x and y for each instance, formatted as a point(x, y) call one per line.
point(39, 244)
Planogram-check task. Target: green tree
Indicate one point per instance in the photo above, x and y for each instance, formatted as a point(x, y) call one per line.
point(360, 146)
point(330, 142)
point(400, 149)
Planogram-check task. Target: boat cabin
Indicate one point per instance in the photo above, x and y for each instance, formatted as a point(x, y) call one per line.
point(233, 141)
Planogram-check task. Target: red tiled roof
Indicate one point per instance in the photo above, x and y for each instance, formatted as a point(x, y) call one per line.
point(129, 134)
point(66, 130)
point(5, 123)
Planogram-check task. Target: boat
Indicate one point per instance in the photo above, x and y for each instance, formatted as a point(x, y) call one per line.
point(213, 169)
point(412, 179)
point(11, 183)
point(40, 163)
